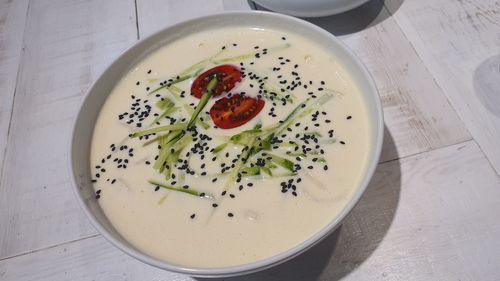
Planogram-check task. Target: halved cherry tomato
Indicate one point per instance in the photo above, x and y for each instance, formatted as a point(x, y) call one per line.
point(227, 75)
point(235, 111)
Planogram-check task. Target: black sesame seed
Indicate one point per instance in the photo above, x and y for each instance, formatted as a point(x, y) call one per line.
point(230, 215)
point(349, 117)
point(214, 205)
point(342, 142)
point(192, 216)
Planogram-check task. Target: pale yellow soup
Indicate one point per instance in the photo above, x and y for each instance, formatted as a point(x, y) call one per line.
point(256, 218)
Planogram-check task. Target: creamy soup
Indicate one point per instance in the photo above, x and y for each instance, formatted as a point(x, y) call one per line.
point(230, 146)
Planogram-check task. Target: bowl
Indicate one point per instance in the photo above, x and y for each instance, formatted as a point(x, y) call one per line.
point(310, 8)
point(79, 148)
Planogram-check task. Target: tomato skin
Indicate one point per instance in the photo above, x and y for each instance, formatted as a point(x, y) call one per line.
point(228, 75)
point(234, 111)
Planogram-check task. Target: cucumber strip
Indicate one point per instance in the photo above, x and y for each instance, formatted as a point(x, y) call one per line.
point(248, 150)
point(312, 133)
point(203, 101)
point(288, 144)
point(172, 153)
point(296, 154)
point(162, 200)
point(174, 91)
point(177, 79)
point(245, 137)
point(282, 175)
point(250, 171)
point(167, 112)
point(201, 64)
point(179, 189)
point(235, 58)
point(322, 160)
point(219, 148)
point(164, 104)
point(267, 171)
point(177, 126)
point(160, 139)
point(283, 162)
point(328, 141)
point(165, 148)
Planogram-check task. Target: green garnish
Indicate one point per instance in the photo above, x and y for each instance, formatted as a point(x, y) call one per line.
point(189, 191)
point(220, 147)
point(176, 80)
point(283, 162)
point(173, 127)
point(250, 171)
point(203, 101)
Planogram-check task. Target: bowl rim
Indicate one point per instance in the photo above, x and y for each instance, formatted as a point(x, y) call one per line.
point(313, 14)
point(275, 259)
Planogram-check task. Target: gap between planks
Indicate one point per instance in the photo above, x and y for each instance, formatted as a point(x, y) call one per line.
point(19, 66)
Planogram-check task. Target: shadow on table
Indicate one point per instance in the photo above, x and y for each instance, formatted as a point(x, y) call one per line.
point(487, 84)
point(353, 242)
point(362, 17)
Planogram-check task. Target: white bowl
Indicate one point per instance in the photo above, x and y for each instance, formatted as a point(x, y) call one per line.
point(310, 8)
point(97, 94)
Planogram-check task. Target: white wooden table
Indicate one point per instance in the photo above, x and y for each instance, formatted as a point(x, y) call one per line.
point(431, 212)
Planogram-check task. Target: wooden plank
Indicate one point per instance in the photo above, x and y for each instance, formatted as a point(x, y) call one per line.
point(405, 85)
point(12, 20)
point(459, 43)
point(67, 44)
point(154, 15)
point(406, 88)
point(432, 216)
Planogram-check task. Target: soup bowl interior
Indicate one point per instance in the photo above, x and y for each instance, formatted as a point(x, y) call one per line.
point(80, 144)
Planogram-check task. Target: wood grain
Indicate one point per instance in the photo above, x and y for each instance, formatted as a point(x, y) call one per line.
point(67, 44)
point(459, 43)
point(416, 221)
point(154, 15)
point(416, 112)
point(12, 20)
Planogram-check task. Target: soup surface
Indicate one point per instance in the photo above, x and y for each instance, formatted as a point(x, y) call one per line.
point(229, 146)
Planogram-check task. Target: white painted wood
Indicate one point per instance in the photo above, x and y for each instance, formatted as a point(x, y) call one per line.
point(460, 44)
point(12, 19)
point(416, 111)
point(67, 44)
point(405, 85)
point(154, 15)
point(432, 216)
